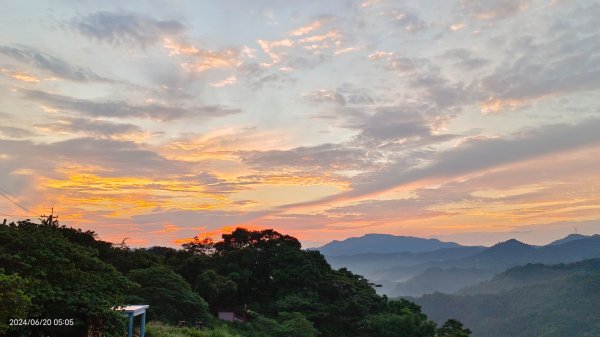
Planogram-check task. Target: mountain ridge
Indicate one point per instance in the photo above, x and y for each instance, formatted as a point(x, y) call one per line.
point(569, 238)
point(383, 244)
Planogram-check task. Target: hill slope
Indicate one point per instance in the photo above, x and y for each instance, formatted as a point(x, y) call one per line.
point(441, 280)
point(533, 300)
point(568, 238)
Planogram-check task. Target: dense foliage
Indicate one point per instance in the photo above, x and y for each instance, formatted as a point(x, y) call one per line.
point(283, 291)
point(170, 296)
point(453, 328)
point(532, 300)
point(268, 273)
point(62, 279)
point(13, 300)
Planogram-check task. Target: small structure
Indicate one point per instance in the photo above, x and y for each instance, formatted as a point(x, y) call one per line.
point(131, 311)
point(231, 316)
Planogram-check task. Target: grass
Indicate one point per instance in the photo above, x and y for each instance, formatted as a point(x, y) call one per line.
point(156, 329)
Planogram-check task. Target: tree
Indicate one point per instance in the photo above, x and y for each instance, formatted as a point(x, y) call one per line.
point(294, 324)
point(170, 297)
point(453, 328)
point(259, 240)
point(215, 288)
point(14, 303)
point(407, 324)
point(273, 274)
point(200, 246)
point(62, 279)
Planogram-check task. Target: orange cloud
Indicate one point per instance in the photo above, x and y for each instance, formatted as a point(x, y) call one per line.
point(495, 105)
point(204, 59)
point(171, 228)
point(457, 26)
point(126, 196)
point(275, 48)
point(226, 82)
point(297, 180)
point(176, 48)
point(22, 76)
point(223, 144)
point(378, 55)
point(308, 28)
point(345, 50)
point(330, 35)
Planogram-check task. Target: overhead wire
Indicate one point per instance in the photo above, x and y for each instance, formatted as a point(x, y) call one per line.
point(14, 202)
point(17, 216)
point(12, 196)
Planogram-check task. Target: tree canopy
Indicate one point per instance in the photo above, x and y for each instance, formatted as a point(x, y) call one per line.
point(62, 279)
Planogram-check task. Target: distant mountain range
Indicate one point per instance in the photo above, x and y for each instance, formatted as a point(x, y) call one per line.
point(383, 244)
point(377, 263)
point(414, 266)
point(513, 252)
point(509, 289)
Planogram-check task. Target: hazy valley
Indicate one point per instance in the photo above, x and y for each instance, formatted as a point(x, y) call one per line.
point(496, 291)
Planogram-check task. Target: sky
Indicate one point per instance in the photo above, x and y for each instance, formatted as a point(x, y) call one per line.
point(157, 121)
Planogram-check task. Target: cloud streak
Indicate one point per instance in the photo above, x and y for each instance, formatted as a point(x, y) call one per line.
point(122, 109)
point(125, 28)
point(323, 157)
point(93, 127)
point(53, 65)
point(201, 60)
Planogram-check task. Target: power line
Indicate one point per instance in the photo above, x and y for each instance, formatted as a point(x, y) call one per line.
point(48, 219)
point(17, 216)
point(16, 203)
point(24, 203)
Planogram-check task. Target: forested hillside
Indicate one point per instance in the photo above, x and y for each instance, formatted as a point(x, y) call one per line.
point(532, 300)
point(51, 271)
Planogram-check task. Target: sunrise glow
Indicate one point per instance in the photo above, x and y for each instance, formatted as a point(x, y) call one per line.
point(322, 120)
